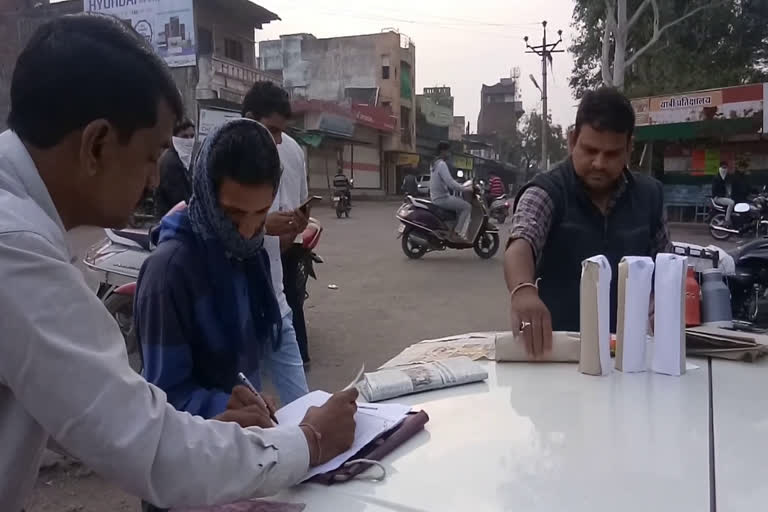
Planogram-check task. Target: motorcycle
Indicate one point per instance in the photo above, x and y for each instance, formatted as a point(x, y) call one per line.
point(749, 283)
point(746, 219)
point(425, 227)
point(341, 202)
point(117, 261)
point(500, 209)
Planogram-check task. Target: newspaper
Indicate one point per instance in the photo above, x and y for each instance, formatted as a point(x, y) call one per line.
point(394, 382)
point(475, 345)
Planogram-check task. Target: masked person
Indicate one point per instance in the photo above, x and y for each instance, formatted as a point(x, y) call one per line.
point(722, 190)
point(441, 184)
point(205, 303)
point(175, 175)
point(64, 371)
point(589, 204)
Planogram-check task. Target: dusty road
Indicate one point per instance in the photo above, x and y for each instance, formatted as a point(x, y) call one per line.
point(383, 303)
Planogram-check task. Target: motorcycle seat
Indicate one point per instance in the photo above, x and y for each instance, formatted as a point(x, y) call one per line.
point(139, 238)
point(441, 213)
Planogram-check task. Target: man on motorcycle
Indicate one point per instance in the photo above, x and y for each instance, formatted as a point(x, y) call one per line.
point(64, 374)
point(722, 190)
point(587, 205)
point(441, 184)
point(342, 185)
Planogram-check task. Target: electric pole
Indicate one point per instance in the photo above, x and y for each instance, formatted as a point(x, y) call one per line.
point(544, 51)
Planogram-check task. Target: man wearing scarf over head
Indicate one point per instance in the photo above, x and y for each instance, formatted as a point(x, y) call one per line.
point(205, 305)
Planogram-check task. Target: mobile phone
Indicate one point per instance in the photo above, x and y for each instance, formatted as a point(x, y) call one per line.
point(306, 204)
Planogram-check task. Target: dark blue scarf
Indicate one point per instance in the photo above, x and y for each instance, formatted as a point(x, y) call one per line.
point(225, 249)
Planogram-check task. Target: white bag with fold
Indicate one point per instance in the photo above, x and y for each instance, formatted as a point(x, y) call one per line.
point(634, 295)
point(669, 315)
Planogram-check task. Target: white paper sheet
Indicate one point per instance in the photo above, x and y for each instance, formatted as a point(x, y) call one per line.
point(595, 356)
point(634, 306)
point(669, 314)
point(372, 421)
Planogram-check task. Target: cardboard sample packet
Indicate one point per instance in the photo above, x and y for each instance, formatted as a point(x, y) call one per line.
point(595, 304)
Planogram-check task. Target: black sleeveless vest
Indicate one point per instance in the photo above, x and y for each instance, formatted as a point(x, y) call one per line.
point(579, 231)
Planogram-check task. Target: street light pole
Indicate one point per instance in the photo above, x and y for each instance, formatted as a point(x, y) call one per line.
point(545, 51)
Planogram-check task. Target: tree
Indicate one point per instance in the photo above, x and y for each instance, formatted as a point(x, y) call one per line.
point(529, 146)
point(661, 46)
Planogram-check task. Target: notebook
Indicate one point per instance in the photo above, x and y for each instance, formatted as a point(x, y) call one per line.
point(372, 420)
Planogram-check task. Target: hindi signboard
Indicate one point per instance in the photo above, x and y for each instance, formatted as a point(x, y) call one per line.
point(168, 25)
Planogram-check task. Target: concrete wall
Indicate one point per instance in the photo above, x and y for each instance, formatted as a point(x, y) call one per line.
point(18, 21)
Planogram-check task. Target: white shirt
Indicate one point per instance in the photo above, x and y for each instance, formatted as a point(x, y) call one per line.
point(290, 194)
point(64, 374)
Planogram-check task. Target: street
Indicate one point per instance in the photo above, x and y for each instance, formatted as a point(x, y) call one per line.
point(384, 302)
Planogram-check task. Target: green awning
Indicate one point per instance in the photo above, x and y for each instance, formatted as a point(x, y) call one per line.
point(309, 139)
point(712, 129)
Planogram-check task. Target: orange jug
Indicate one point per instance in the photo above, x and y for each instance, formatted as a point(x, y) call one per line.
point(692, 299)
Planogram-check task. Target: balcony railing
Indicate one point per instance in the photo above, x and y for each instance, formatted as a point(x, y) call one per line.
point(240, 71)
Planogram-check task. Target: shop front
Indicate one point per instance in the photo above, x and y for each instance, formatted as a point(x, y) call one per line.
point(682, 139)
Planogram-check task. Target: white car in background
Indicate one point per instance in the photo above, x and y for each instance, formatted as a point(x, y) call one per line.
point(423, 184)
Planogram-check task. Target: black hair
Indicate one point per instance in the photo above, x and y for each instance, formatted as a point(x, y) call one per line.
point(723, 163)
point(265, 99)
point(442, 146)
point(182, 125)
point(605, 109)
point(246, 153)
point(79, 68)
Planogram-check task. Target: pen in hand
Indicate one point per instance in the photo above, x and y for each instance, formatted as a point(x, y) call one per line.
point(247, 383)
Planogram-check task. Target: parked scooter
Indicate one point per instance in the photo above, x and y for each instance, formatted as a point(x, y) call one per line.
point(118, 259)
point(747, 219)
point(426, 227)
point(500, 209)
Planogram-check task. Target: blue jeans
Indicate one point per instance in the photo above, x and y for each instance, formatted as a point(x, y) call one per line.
point(285, 366)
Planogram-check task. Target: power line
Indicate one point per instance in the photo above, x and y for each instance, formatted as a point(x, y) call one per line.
point(447, 22)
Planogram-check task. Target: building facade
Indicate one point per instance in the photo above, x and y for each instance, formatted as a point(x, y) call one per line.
point(373, 70)
point(500, 111)
point(222, 69)
point(18, 20)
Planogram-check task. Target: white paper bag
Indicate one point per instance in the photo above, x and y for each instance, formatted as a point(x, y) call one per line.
point(669, 314)
point(595, 310)
point(634, 295)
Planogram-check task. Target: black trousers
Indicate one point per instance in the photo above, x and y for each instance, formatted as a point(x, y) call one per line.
point(295, 295)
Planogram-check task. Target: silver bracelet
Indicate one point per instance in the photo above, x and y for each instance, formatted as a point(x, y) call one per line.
point(524, 285)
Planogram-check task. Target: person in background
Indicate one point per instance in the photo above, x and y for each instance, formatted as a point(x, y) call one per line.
point(741, 190)
point(205, 305)
point(496, 187)
point(342, 185)
point(64, 374)
point(722, 189)
point(410, 186)
point(587, 205)
point(175, 175)
point(270, 105)
point(441, 184)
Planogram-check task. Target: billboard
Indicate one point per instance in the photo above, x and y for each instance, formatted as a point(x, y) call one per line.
point(739, 102)
point(168, 25)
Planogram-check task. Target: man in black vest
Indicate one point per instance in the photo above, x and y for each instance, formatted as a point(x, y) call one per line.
point(587, 205)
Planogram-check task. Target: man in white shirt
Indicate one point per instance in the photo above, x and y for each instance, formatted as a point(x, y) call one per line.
point(79, 153)
point(270, 105)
